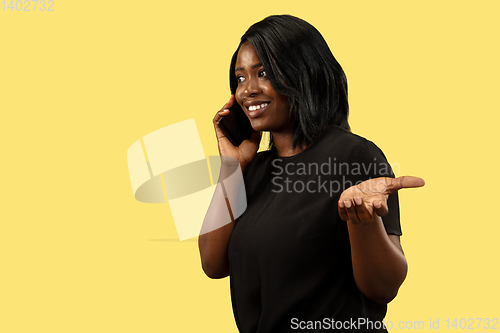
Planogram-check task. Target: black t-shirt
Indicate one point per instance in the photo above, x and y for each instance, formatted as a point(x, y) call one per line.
point(289, 253)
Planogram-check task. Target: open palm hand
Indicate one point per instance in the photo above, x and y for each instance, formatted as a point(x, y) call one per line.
point(363, 202)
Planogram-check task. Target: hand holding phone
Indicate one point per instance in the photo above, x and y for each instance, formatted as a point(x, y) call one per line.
point(242, 142)
point(236, 125)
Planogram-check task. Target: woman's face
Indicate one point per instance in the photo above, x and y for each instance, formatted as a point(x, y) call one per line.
point(266, 108)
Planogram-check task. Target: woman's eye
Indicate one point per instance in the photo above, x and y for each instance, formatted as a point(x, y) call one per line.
point(262, 73)
point(240, 79)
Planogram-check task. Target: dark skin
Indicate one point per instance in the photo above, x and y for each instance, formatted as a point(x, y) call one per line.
point(213, 245)
point(378, 261)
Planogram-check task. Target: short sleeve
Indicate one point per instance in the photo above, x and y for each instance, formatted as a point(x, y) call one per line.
point(367, 161)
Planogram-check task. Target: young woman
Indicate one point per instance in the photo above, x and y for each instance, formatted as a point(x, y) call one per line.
point(317, 247)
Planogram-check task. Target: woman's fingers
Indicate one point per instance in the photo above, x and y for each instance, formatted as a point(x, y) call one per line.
point(364, 215)
point(228, 104)
point(396, 184)
point(359, 203)
point(351, 211)
point(357, 210)
point(342, 211)
point(220, 114)
point(225, 146)
point(380, 207)
point(224, 111)
point(354, 210)
point(217, 118)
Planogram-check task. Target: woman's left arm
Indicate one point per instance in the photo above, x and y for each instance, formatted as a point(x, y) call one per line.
point(378, 261)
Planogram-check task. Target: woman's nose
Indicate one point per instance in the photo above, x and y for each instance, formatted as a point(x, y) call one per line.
point(252, 87)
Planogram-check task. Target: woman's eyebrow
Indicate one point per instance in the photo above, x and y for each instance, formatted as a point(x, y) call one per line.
point(253, 67)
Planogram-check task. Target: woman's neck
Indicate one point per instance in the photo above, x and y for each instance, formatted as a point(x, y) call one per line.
point(284, 144)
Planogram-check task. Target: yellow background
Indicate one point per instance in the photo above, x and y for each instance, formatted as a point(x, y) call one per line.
point(79, 85)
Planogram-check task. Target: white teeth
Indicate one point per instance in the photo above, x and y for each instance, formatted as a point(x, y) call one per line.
point(257, 107)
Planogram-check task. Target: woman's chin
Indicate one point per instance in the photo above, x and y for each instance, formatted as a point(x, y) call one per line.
point(257, 125)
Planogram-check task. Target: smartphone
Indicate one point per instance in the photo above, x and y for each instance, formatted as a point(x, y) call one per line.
point(236, 125)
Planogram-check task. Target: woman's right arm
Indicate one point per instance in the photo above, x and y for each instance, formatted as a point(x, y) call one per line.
point(213, 244)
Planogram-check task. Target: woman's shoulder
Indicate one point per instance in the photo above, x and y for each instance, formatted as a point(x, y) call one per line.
point(337, 140)
point(357, 150)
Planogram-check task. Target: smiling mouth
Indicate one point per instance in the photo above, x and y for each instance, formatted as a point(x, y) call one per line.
point(257, 107)
point(257, 110)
